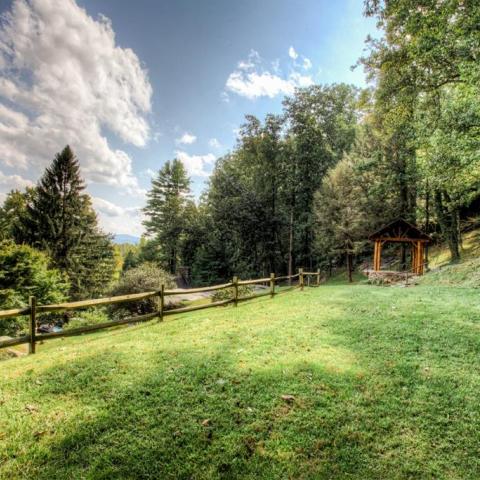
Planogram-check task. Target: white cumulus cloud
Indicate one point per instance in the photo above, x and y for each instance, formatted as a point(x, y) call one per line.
point(116, 219)
point(64, 80)
point(214, 143)
point(252, 79)
point(196, 165)
point(12, 182)
point(186, 139)
point(307, 63)
point(292, 53)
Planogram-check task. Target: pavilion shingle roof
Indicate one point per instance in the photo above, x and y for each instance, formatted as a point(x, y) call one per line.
point(400, 229)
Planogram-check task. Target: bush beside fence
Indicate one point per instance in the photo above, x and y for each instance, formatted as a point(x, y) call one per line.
point(33, 309)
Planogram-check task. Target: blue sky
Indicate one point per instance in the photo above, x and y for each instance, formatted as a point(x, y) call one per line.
point(138, 83)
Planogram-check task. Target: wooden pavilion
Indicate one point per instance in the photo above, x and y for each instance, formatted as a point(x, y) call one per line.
point(400, 231)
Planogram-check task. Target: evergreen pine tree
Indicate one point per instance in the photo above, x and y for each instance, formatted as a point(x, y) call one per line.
point(165, 209)
point(60, 220)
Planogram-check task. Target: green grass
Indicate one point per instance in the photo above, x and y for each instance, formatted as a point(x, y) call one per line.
point(439, 255)
point(465, 273)
point(385, 382)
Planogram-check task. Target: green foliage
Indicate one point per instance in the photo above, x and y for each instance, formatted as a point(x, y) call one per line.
point(286, 197)
point(92, 316)
point(448, 126)
point(94, 266)
point(258, 211)
point(166, 204)
point(465, 274)
point(150, 251)
point(130, 261)
point(60, 220)
point(12, 214)
point(427, 72)
point(229, 293)
point(25, 271)
point(147, 277)
point(341, 224)
point(321, 123)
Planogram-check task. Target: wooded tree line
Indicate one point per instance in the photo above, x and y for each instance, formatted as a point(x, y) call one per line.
point(50, 243)
point(306, 187)
point(303, 188)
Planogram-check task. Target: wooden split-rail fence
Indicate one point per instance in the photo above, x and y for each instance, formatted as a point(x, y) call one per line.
point(33, 309)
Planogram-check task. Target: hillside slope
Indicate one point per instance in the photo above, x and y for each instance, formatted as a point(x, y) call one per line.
point(464, 273)
point(334, 382)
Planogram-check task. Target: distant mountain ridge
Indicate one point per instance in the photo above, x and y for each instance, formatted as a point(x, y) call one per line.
point(124, 238)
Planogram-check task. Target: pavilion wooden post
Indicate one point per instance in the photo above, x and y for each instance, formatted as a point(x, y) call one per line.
point(421, 246)
point(402, 232)
point(377, 256)
point(414, 257)
point(418, 249)
point(419, 258)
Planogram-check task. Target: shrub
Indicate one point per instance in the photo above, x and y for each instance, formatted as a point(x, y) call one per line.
point(91, 316)
point(146, 277)
point(228, 293)
point(25, 271)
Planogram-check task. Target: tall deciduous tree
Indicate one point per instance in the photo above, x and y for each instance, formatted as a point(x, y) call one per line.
point(429, 53)
point(165, 209)
point(321, 123)
point(25, 271)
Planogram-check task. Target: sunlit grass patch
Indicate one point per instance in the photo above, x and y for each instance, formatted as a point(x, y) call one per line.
point(333, 382)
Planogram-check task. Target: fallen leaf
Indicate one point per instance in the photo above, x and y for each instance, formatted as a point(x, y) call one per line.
point(206, 422)
point(31, 408)
point(288, 398)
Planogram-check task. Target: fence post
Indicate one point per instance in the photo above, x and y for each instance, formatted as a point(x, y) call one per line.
point(162, 302)
point(33, 323)
point(318, 277)
point(235, 290)
point(300, 278)
point(272, 284)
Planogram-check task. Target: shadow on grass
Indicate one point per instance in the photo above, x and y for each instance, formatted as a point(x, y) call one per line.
point(189, 412)
point(198, 417)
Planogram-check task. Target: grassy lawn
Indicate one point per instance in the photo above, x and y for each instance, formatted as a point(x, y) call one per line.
point(384, 382)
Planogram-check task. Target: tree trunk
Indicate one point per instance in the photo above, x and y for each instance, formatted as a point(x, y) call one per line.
point(427, 219)
point(448, 218)
point(290, 249)
point(349, 266)
point(173, 262)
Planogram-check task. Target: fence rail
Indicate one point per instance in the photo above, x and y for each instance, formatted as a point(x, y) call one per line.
point(33, 309)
